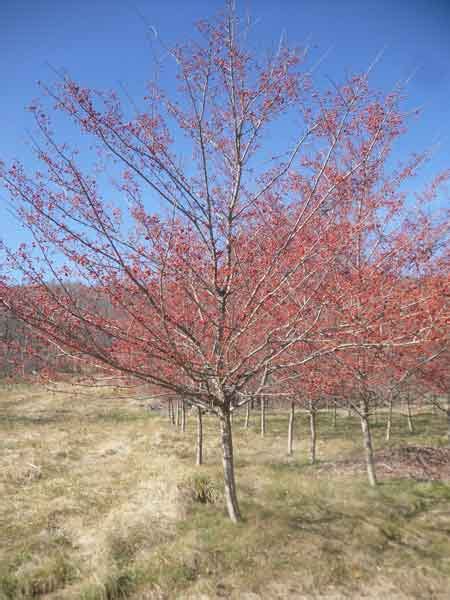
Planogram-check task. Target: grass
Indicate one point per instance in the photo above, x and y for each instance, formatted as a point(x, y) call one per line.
point(100, 500)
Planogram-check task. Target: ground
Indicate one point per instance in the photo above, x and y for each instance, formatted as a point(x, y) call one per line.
point(100, 499)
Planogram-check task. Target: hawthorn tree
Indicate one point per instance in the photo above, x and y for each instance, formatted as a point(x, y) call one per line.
point(208, 276)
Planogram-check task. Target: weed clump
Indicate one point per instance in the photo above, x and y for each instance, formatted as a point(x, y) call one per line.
point(118, 586)
point(52, 574)
point(200, 489)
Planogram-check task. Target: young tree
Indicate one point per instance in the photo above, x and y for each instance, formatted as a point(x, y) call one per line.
point(203, 277)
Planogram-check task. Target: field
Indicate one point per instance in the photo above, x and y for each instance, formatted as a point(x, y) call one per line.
point(100, 499)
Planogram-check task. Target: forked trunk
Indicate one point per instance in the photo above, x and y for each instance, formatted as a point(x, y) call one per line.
point(228, 467)
point(313, 434)
point(291, 429)
point(368, 448)
point(389, 420)
point(263, 416)
point(199, 457)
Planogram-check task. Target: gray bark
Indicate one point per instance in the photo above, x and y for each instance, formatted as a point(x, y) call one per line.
point(291, 429)
point(368, 447)
point(410, 421)
point(448, 425)
point(183, 416)
point(177, 416)
point(389, 420)
point(199, 454)
point(263, 416)
point(228, 467)
point(247, 415)
point(313, 434)
point(448, 418)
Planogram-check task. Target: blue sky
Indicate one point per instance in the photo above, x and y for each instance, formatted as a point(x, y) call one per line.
point(104, 43)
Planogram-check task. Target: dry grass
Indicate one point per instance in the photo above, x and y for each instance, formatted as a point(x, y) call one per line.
point(100, 500)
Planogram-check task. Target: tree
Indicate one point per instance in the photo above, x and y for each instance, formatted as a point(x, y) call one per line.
point(230, 280)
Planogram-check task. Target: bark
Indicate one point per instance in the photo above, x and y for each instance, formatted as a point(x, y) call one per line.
point(410, 421)
point(247, 416)
point(313, 434)
point(228, 467)
point(170, 411)
point(291, 429)
point(448, 419)
point(334, 415)
point(263, 416)
point(199, 455)
point(367, 440)
point(183, 416)
point(177, 417)
point(448, 424)
point(389, 420)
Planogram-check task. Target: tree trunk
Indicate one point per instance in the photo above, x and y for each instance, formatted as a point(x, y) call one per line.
point(228, 467)
point(448, 424)
point(368, 448)
point(334, 415)
point(247, 416)
point(263, 416)
point(177, 417)
point(389, 420)
point(170, 411)
point(448, 419)
point(408, 407)
point(291, 429)
point(313, 434)
point(183, 416)
point(199, 457)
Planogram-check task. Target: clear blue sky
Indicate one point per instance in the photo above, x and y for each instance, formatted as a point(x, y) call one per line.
point(105, 42)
